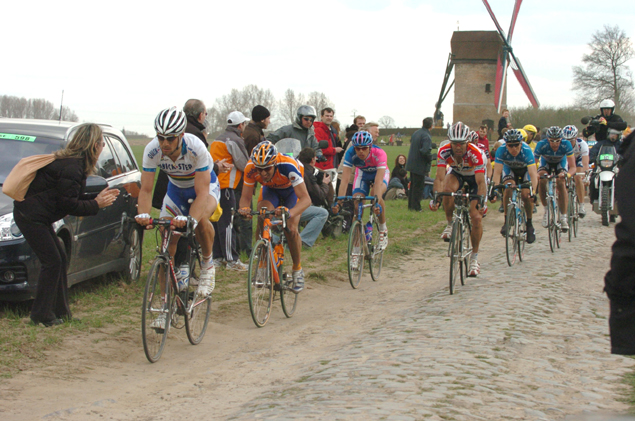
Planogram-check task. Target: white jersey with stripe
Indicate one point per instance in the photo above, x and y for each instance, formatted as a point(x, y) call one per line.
point(194, 157)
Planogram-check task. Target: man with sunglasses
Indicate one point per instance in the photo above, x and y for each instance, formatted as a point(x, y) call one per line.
point(301, 129)
point(371, 176)
point(283, 189)
point(192, 189)
point(516, 162)
point(555, 157)
point(466, 165)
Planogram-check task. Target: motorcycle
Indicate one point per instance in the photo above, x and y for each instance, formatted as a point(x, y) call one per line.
point(604, 178)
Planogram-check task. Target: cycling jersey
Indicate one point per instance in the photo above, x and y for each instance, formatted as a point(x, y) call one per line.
point(543, 150)
point(288, 173)
point(524, 159)
point(471, 164)
point(375, 160)
point(194, 158)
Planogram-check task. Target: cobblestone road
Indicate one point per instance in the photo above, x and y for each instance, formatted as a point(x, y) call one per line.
point(527, 342)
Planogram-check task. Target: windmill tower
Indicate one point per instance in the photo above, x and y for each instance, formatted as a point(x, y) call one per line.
point(482, 59)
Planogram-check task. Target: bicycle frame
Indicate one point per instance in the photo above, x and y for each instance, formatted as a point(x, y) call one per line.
point(360, 211)
point(276, 253)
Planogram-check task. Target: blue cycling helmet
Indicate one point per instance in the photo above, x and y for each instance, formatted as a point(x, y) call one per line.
point(554, 132)
point(362, 139)
point(513, 136)
point(570, 132)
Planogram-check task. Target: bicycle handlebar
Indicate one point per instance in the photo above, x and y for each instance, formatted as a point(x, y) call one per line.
point(355, 198)
point(525, 185)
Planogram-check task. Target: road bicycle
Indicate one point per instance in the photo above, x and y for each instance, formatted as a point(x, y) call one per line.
point(553, 212)
point(363, 241)
point(573, 211)
point(161, 297)
point(267, 274)
point(516, 223)
point(460, 247)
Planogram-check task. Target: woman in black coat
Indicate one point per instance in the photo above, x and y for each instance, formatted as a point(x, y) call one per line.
point(55, 193)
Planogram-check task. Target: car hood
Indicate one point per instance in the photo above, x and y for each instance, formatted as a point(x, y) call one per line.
point(6, 204)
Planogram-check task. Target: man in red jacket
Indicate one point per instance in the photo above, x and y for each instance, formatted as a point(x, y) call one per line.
point(324, 131)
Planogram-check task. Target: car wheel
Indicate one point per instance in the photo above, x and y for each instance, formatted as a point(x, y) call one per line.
point(133, 255)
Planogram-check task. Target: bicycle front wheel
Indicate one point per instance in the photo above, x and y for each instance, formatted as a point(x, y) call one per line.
point(455, 257)
point(197, 308)
point(510, 235)
point(288, 298)
point(155, 313)
point(521, 233)
point(260, 284)
point(570, 209)
point(466, 248)
point(551, 224)
point(356, 254)
point(556, 226)
point(575, 218)
point(376, 254)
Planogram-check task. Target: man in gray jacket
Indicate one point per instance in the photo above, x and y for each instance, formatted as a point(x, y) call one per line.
point(301, 129)
point(419, 163)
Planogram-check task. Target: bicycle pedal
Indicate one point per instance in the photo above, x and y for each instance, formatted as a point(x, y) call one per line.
point(277, 287)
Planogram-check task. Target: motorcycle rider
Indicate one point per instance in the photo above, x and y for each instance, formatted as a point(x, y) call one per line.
point(606, 120)
point(301, 129)
point(614, 139)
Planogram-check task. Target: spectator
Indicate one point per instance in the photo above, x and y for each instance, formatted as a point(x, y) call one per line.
point(400, 164)
point(396, 188)
point(419, 163)
point(301, 129)
point(318, 184)
point(620, 280)
point(483, 141)
point(338, 143)
point(372, 128)
point(54, 193)
point(504, 123)
point(347, 206)
point(325, 131)
point(359, 121)
point(229, 146)
point(252, 135)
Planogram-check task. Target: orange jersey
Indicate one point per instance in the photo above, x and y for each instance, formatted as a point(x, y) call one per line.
point(288, 173)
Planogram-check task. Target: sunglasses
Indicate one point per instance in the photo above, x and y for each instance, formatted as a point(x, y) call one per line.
point(308, 118)
point(361, 148)
point(168, 138)
point(514, 145)
point(263, 170)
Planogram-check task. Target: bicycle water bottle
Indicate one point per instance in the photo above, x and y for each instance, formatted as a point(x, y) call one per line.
point(369, 231)
point(183, 276)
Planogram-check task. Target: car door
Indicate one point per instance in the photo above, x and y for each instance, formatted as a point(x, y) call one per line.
point(99, 240)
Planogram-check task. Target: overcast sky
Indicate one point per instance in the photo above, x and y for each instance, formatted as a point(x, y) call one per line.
point(121, 62)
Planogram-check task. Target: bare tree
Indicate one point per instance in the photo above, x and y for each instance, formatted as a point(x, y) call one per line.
point(319, 101)
point(604, 73)
point(289, 105)
point(67, 115)
point(41, 108)
point(16, 107)
point(243, 100)
point(387, 122)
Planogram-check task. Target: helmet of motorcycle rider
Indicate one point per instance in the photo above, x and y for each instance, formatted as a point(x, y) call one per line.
point(607, 104)
point(305, 111)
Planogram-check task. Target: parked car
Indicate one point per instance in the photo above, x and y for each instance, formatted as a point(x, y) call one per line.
point(95, 245)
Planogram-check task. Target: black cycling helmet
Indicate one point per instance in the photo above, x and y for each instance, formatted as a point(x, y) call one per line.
point(554, 132)
point(512, 136)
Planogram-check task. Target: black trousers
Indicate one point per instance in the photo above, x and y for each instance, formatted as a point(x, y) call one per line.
point(417, 183)
point(243, 230)
point(225, 240)
point(51, 297)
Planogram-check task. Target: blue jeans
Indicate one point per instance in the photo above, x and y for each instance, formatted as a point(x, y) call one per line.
point(316, 218)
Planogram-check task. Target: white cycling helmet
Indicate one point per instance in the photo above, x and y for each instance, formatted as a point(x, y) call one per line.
point(570, 132)
point(607, 103)
point(458, 132)
point(170, 122)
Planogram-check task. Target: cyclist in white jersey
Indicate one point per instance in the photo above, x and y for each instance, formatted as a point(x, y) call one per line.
point(581, 155)
point(192, 189)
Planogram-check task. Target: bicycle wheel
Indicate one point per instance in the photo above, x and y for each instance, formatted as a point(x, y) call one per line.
point(288, 298)
point(551, 224)
point(197, 308)
point(376, 255)
point(570, 213)
point(154, 306)
point(356, 254)
point(576, 217)
point(521, 233)
point(455, 249)
point(260, 283)
point(556, 225)
point(466, 247)
point(510, 236)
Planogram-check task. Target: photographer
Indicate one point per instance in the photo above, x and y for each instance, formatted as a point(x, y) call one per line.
point(600, 124)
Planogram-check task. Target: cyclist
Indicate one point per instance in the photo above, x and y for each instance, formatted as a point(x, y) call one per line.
point(516, 163)
point(371, 176)
point(192, 188)
point(466, 165)
point(473, 138)
point(283, 189)
point(556, 157)
point(581, 154)
point(532, 133)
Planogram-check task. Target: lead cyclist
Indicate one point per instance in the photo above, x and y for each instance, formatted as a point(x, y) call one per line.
point(193, 188)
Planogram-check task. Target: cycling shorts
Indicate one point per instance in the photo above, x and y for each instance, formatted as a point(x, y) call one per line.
point(578, 162)
point(177, 201)
point(364, 179)
point(517, 175)
point(553, 168)
point(279, 197)
point(472, 186)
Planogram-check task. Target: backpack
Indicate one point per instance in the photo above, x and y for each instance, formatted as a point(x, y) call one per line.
point(21, 176)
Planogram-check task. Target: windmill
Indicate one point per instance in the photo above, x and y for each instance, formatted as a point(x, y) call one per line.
point(507, 58)
point(479, 60)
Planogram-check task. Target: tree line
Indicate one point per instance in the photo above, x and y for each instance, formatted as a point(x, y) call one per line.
point(39, 108)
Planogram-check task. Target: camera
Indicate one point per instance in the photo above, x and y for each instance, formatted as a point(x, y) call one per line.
point(321, 158)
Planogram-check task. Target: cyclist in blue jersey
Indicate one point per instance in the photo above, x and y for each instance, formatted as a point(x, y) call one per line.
point(516, 163)
point(556, 157)
point(192, 189)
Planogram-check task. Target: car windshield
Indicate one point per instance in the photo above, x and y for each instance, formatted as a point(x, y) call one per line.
point(12, 151)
